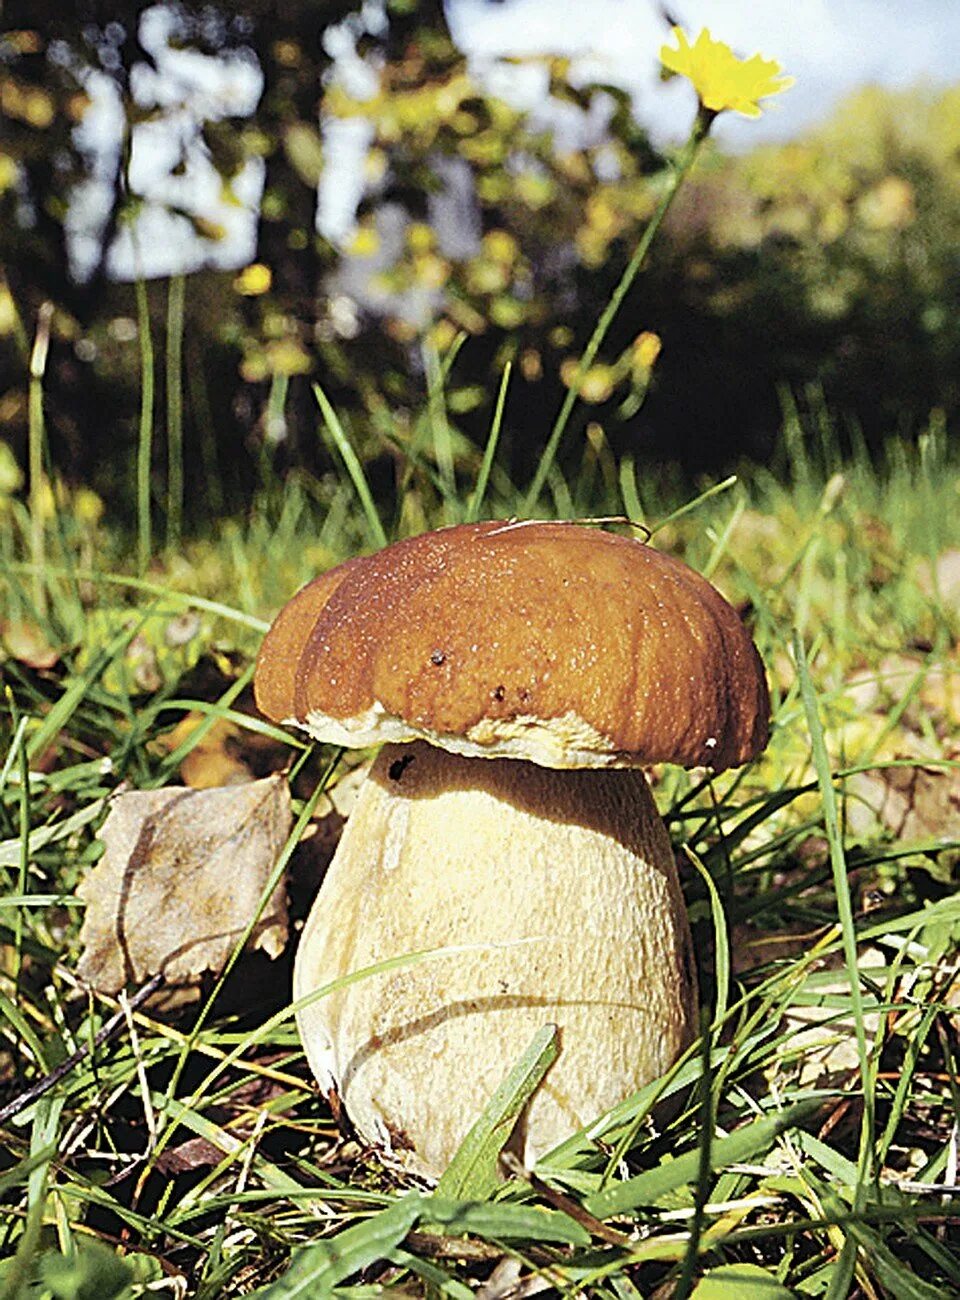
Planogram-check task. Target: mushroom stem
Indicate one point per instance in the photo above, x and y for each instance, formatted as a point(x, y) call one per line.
point(563, 884)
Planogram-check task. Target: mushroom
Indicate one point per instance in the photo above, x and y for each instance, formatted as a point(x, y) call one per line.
point(521, 674)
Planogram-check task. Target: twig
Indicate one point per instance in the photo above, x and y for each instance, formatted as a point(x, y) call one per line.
point(596, 1227)
point(109, 1030)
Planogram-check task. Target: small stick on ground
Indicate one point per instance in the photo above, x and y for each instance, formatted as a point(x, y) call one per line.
point(109, 1030)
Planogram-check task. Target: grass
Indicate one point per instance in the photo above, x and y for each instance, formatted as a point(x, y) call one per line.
point(809, 1143)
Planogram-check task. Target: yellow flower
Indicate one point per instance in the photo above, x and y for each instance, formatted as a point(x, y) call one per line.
point(721, 80)
point(253, 280)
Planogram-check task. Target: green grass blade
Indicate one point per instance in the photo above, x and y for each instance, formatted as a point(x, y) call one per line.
point(632, 505)
point(71, 699)
point(746, 1143)
point(440, 431)
point(472, 1173)
point(838, 863)
point(720, 938)
point(183, 599)
point(842, 1276)
point(502, 1220)
point(712, 491)
point(354, 468)
point(317, 1268)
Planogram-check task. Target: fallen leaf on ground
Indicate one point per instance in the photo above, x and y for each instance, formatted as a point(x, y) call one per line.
point(25, 642)
point(181, 878)
point(215, 759)
point(943, 579)
point(914, 803)
point(821, 1050)
point(195, 1153)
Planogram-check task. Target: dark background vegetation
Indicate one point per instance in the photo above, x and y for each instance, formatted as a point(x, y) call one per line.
point(824, 272)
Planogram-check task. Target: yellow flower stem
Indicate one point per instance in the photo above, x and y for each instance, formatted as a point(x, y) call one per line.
point(681, 167)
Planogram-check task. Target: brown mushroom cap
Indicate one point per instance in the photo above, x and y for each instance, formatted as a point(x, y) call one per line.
point(553, 642)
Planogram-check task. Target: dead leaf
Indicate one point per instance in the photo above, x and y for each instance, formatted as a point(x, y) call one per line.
point(180, 880)
point(195, 1153)
point(214, 760)
point(25, 642)
point(143, 659)
point(822, 1044)
point(914, 803)
point(182, 628)
point(943, 579)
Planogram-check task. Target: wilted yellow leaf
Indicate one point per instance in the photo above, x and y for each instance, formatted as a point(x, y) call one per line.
point(214, 760)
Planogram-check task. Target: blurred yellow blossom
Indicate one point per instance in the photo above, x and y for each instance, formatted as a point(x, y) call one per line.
point(420, 237)
point(646, 349)
point(88, 507)
point(596, 384)
point(8, 310)
point(721, 80)
point(253, 280)
point(365, 242)
point(9, 171)
point(26, 103)
point(889, 205)
point(500, 245)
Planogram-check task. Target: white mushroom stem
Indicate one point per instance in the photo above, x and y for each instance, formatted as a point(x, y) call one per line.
point(565, 885)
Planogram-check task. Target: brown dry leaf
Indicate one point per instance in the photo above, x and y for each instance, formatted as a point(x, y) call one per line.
point(195, 1153)
point(180, 880)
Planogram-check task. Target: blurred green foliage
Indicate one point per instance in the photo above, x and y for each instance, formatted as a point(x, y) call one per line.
point(827, 266)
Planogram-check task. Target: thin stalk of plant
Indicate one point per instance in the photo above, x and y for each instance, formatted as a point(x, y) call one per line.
point(681, 169)
point(38, 366)
point(702, 1187)
point(275, 427)
point(354, 468)
point(176, 293)
point(865, 1164)
point(440, 431)
point(145, 435)
point(714, 490)
point(23, 876)
point(490, 451)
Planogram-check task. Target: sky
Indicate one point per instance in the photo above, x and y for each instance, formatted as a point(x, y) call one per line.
point(830, 46)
